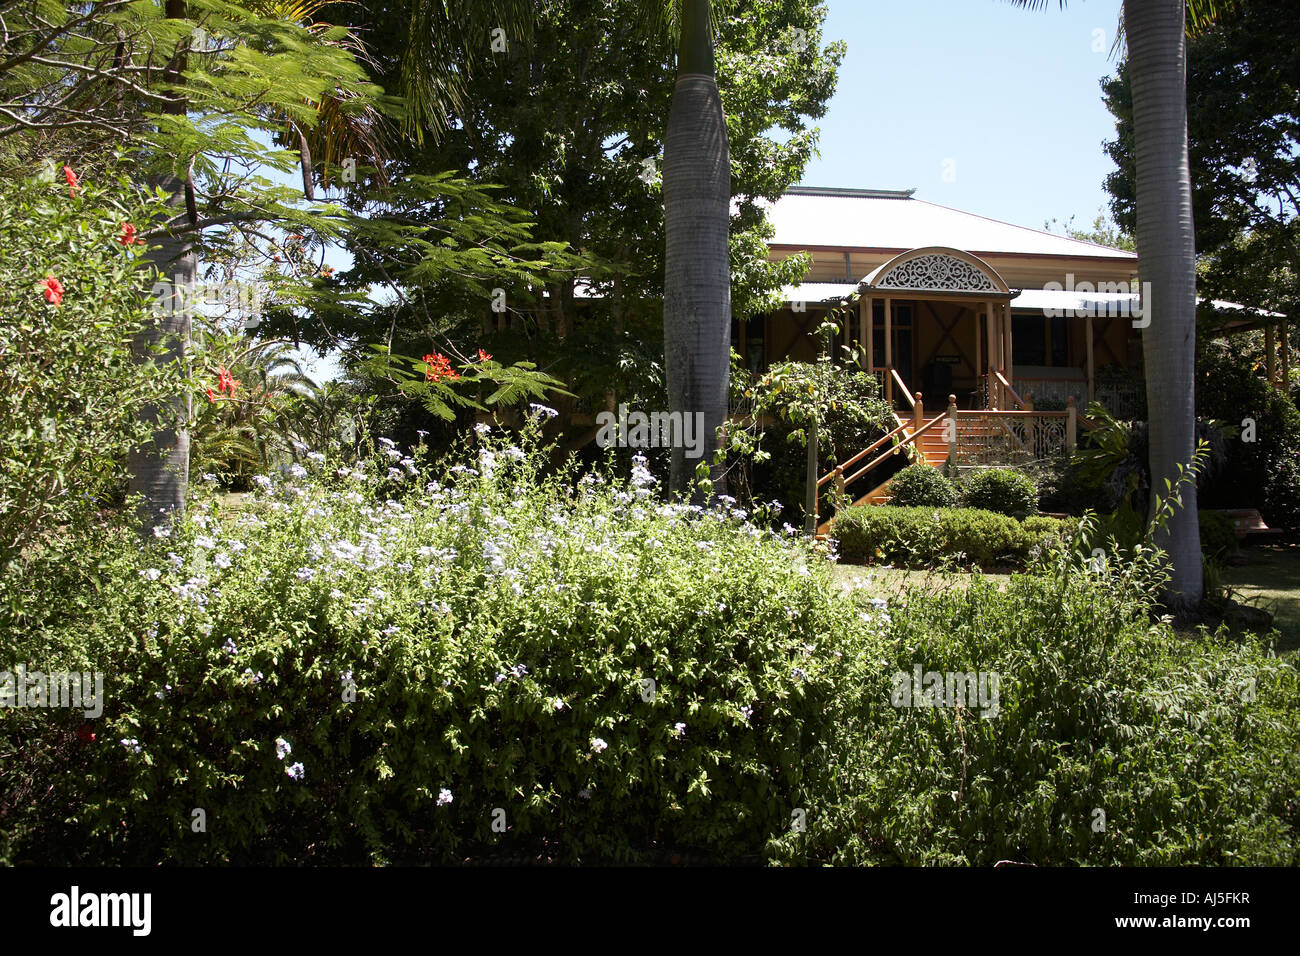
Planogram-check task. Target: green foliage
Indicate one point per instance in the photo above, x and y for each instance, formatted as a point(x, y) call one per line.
point(1114, 742)
point(929, 536)
point(844, 401)
point(69, 385)
point(1004, 490)
point(1263, 473)
point(1218, 536)
point(921, 486)
point(412, 590)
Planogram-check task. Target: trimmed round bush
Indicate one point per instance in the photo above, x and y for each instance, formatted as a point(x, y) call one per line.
point(920, 537)
point(920, 486)
point(1003, 490)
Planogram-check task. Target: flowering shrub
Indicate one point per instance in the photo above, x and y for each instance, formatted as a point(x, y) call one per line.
point(71, 297)
point(382, 665)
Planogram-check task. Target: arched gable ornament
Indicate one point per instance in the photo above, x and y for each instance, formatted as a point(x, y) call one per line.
point(936, 272)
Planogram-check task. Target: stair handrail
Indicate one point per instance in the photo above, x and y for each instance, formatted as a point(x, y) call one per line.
point(859, 456)
point(909, 440)
point(907, 393)
point(997, 372)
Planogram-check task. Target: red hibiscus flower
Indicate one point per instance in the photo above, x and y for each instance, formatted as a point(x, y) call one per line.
point(484, 356)
point(71, 178)
point(128, 235)
point(53, 290)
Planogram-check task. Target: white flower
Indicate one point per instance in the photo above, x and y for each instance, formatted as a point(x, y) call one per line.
point(262, 482)
point(131, 744)
point(160, 532)
point(444, 797)
point(597, 744)
point(879, 603)
point(305, 574)
point(294, 771)
point(557, 704)
point(315, 456)
point(747, 712)
point(482, 428)
point(387, 442)
point(297, 471)
point(542, 410)
point(153, 574)
point(679, 729)
point(282, 748)
point(221, 560)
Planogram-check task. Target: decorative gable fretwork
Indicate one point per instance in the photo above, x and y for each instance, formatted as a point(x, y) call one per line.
point(936, 272)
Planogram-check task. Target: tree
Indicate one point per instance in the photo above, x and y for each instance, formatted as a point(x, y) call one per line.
point(198, 90)
point(1156, 35)
point(569, 120)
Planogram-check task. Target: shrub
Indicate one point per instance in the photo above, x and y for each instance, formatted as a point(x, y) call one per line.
point(920, 486)
point(69, 386)
point(428, 651)
point(1004, 490)
point(918, 537)
point(1218, 536)
point(1097, 708)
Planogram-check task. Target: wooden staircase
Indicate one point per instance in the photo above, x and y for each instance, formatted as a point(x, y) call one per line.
point(932, 446)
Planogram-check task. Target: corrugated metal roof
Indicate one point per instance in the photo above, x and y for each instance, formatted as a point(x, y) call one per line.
point(888, 219)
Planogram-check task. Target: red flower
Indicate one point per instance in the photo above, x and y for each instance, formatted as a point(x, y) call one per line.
point(85, 734)
point(211, 398)
point(128, 235)
point(71, 178)
point(53, 290)
point(484, 356)
point(439, 368)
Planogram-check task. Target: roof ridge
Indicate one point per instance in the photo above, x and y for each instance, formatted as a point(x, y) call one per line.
point(848, 192)
point(1015, 225)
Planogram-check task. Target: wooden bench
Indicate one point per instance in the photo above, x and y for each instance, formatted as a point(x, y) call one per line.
point(1247, 523)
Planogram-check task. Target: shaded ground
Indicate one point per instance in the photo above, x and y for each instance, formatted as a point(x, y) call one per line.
point(1270, 579)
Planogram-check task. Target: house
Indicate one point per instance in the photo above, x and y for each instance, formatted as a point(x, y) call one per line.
point(949, 299)
point(988, 339)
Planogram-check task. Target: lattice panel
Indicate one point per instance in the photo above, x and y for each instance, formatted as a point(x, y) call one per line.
point(937, 272)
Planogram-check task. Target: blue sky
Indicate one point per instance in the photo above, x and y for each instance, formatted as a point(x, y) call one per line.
point(1004, 101)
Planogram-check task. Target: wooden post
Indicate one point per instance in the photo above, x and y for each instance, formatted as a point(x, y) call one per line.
point(1092, 386)
point(889, 350)
point(918, 414)
point(978, 344)
point(864, 308)
point(991, 400)
point(1270, 355)
point(811, 504)
point(1071, 424)
point(1029, 401)
point(1008, 363)
point(1286, 355)
point(871, 334)
point(951, 425)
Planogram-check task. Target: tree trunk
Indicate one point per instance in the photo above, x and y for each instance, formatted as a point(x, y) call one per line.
point(697, 268)
point(1166, 244)
point(159, 471)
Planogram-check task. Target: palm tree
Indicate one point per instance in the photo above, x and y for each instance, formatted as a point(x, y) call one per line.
point(697, 266)
point(159, 471)
point(1157, 45)
point(1156, 34)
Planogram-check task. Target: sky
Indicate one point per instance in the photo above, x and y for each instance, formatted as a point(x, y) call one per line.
point(978, 104)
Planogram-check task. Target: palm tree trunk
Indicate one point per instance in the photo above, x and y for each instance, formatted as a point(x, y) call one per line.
point(159, 470)
point(697, 268)
point(1167, 251)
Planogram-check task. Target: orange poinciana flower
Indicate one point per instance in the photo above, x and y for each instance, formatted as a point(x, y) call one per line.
point(53, 290)
point(484, 356)
point(225, 383)
point(127, 237)
point(439, 368)
point(71, 179)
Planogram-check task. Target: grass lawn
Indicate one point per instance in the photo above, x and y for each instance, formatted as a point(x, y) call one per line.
point(1270, 579)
